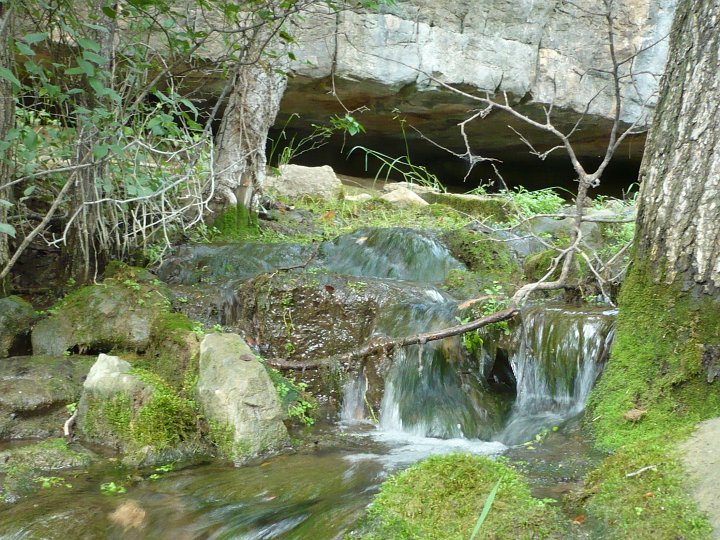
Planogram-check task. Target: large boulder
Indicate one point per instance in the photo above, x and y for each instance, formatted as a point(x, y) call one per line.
point(239, 400)
point(16, 318)
point(114, 314)
point(298, 181)
point(134, 411)
point(34, 391)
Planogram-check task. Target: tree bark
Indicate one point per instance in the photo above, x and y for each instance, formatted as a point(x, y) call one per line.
point(678, 225)
point(666, 352)
point(254, 102)
point(7, 121)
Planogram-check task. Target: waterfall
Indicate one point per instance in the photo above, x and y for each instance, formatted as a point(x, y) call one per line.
point(557, 356)
point(433, 390)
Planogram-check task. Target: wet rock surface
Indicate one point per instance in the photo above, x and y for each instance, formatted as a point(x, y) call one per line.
point(16, 318)
point(34, 391)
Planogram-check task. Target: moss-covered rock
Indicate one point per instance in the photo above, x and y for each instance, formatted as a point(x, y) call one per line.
point(487, 260)
point(443, 496)
point(235, 223)
point(174, 349)
point(482, 207)
point(49, 455)
point(34, 392)
point(133, 410)
point(16, 318)
point(116, 314)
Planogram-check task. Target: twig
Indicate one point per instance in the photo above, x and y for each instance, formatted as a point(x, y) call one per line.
point(640, 471)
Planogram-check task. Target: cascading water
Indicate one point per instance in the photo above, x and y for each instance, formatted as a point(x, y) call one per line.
point(396, 253)
point(558, 354)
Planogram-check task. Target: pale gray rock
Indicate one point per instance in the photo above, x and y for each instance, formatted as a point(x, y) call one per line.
point(238, 398)
point(298, 181)
point(402, 196)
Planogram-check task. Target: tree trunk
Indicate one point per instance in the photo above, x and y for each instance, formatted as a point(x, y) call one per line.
point(240, 159)
point(678, 235)
point(7, 121)
point(666, 354)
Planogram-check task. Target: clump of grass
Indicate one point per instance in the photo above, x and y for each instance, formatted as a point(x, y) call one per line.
point(442, 496)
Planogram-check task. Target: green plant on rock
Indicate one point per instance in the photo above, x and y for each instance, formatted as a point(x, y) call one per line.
point(295, 400)
point(529, 203)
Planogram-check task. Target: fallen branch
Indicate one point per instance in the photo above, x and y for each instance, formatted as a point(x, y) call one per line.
point(386, 345)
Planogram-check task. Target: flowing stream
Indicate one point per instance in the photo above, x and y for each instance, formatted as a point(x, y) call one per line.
point(435, 399)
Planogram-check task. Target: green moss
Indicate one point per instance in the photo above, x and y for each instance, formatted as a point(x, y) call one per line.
point(329, 218)
point(108, 420)
point(174, 349)
point(487, 260)
point(651, 505)
point(656, 366)
point(443, 496)
point(537, 265)
point(157, 417)
point(51, 454)
point(235, 223)
point(165, 419)
point(121, 271)
point(484, 208)
point(222, 437)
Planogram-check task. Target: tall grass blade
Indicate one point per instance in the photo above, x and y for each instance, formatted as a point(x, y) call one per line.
point(485, 510)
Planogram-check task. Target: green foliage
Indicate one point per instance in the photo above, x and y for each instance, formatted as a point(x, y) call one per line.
point(111, 488)
point(442, 496)
point(319, 137)
point(401, 166)
point(529, 203)
point(295, 400)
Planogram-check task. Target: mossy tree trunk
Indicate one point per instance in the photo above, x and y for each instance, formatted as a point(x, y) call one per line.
point(666, 354)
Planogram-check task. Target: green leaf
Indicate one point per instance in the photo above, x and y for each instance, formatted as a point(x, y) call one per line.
point(89, 44)
point(109, 12)
point(100, 151)
point(24, 49)
point(74, 71)
point(6, 228)
point(8, 75)
point(93, 57)
point(37, 37)
point(6, 204)
point(86, 67)
point(29, 191)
